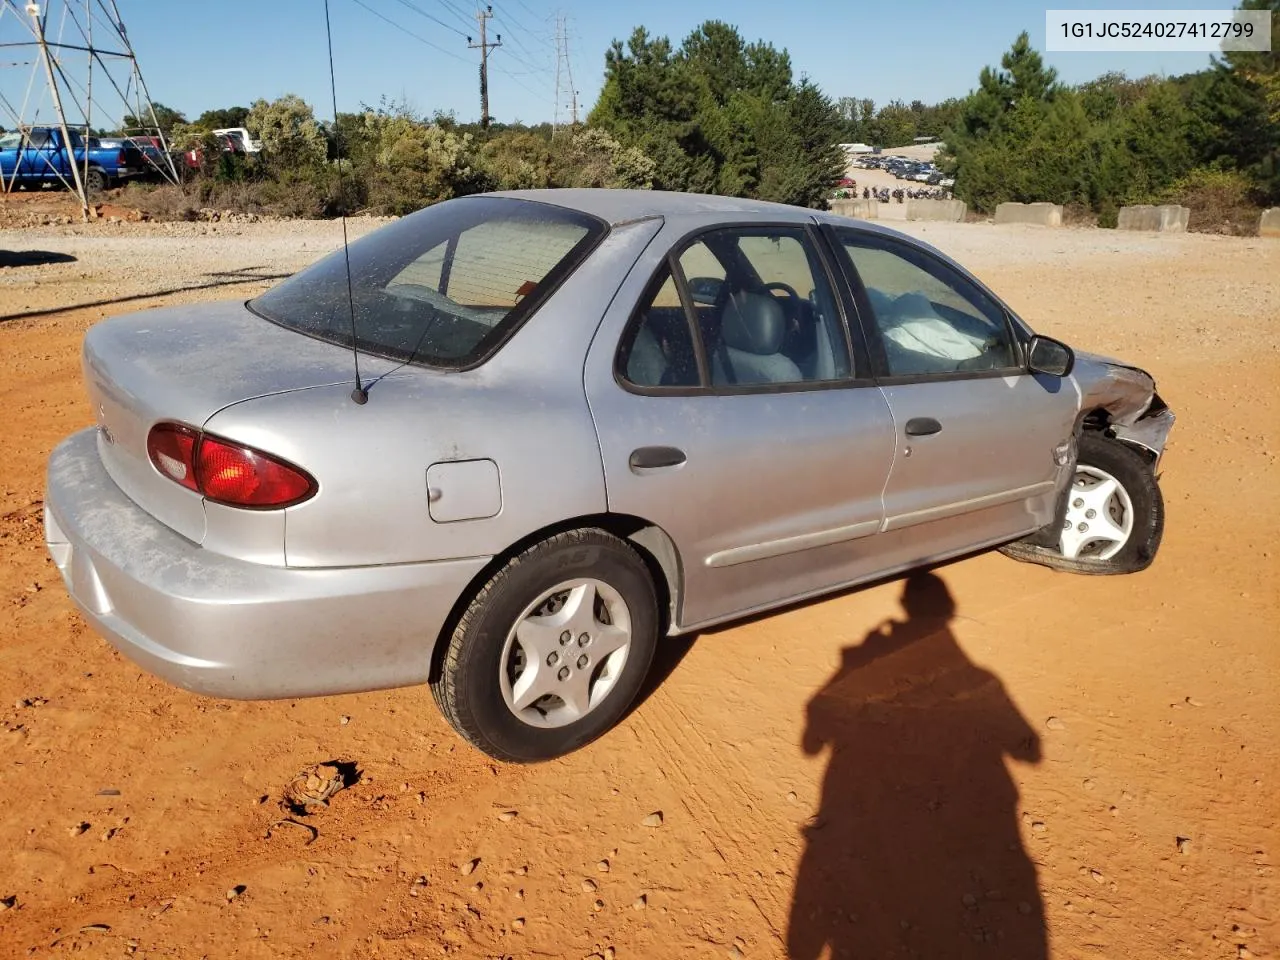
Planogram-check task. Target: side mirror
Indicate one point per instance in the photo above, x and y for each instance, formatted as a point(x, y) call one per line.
point(705, 290)
point(1049, 356)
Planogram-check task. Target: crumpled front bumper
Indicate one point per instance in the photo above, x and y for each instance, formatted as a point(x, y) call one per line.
point(228, 628)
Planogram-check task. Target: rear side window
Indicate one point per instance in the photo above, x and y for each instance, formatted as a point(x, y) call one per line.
point(442, 287)
point(658, 350)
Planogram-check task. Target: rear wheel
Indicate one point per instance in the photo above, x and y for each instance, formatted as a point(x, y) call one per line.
point(552, 650)
point(1114, 519)
point(96, 181)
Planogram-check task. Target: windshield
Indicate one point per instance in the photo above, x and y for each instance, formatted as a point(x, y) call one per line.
point(441, 287)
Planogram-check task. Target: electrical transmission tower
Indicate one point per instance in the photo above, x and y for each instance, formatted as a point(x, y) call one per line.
point(83, 74)
point(566, 93)
point(483, 17)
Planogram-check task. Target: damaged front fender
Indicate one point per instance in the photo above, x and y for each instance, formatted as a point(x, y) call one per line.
point(1127, 395)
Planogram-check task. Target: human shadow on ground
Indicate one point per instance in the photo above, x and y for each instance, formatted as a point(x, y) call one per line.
point(915, 850)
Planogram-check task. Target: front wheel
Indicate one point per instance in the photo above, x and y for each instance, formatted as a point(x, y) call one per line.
point(552, 650)
point(1114, 518)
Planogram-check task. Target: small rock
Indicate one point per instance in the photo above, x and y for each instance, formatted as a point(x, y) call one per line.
point(1024, 908)
point(1097, 876)
point(588, 885)
point(95, 928)
point(1038, 827)
point(598, 905)
point(652, 820)
point(517, 923)
point(235, 891)
point(603, 866)
point(1243, 952)
point(609, 953)
point(78, 829)
point(506, 816)
point(1184, 845)
point(969, 900)
point(344, 720)
point(522, 871)
point(792, 796)
point(108, 792)
point(520, 894)
point(640, 902)
point(8, 903)
point(1193, 702)
point(735, 952)
point(1055, 723)
point(477, 887)
point(469, 867)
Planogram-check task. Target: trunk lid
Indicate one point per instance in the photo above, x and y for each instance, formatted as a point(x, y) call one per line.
point(185, 364)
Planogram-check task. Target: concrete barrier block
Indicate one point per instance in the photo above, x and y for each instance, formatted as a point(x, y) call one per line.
point(1040, 214)
point(1269, 225)
point(1165, 218)
point(950, 211)
point(862, 209)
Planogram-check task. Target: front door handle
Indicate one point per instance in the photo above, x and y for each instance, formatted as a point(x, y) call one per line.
point(922, 427)
point(655, 458)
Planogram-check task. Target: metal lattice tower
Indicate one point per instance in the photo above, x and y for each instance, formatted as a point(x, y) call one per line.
point(69, 64)
point(566, 94)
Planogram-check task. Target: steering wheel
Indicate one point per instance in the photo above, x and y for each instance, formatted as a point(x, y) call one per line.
point(786, 288)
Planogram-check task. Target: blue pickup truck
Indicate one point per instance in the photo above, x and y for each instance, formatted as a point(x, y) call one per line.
point(40, 157)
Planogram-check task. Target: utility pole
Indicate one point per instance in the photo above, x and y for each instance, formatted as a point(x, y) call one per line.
point(483, 17)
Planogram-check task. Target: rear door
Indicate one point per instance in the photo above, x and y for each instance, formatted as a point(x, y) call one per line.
point(981, 442)
point(731, 413)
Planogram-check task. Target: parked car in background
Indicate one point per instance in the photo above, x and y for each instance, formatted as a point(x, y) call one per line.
point(153, 156)
point(39, 156)
point(584, 420)
point(240, 136)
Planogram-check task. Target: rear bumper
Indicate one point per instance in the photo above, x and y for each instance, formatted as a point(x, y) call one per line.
point(228, 628)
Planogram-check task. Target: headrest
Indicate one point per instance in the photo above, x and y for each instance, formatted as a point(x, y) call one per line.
point(753, 323)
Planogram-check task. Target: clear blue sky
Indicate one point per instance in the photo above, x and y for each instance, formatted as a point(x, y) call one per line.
point(199, 55)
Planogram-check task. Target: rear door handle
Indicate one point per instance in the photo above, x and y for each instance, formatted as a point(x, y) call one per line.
point(922, 426)
point(655, 458)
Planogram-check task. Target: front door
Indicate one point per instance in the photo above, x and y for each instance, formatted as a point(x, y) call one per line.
point(730, 414)
point(982, 443)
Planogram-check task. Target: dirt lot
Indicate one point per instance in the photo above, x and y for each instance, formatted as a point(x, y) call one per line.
point(1072, 767)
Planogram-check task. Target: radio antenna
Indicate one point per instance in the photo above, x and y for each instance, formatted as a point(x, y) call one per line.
point(359, 394)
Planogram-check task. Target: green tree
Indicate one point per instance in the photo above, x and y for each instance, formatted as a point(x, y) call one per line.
point(290, 135)
point(166, 117)
point(222, 119)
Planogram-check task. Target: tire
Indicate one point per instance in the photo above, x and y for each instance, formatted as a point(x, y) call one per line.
point(1102, 457)
point(482, 681)
point(96, 181)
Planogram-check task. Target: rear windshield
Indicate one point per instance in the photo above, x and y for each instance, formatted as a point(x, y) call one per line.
point(441, 287)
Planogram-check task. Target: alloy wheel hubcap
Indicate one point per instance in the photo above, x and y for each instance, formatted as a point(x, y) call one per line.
point(565, 653)
point(1099, 518)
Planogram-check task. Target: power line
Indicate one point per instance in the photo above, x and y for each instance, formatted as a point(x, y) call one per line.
point(407, 32)
point(418, 10)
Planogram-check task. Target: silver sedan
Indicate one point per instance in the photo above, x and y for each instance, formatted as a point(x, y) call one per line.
point(504, 444)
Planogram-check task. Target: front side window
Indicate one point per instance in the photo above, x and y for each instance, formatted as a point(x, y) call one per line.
point(765, 311)
point(931, 320)
point(441, 287)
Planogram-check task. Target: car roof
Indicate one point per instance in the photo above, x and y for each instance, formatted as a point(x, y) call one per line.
point(695, 210)
point(620, 206)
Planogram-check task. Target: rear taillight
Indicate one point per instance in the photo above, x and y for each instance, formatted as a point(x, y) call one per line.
point(123, 159)
point(226, 472)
